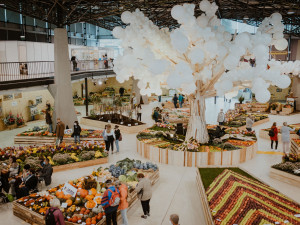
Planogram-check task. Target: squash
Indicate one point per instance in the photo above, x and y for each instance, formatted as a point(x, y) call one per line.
point(59, 194)
point(89, 197)
point(90, 204)
point(83, 193)
point(93, 191)
point(68, 196)
point(69, 202)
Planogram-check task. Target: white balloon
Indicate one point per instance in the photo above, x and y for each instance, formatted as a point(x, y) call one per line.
point(284, 81)
point(179, 41)
point(281, 44)
point(126, 17)
point(177, 12)
point(196, 55)
point(158, 66)
point(263, 96)
point(118, 32)
point(205, 5)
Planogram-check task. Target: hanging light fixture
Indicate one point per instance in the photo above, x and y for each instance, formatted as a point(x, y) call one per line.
point(290, 11)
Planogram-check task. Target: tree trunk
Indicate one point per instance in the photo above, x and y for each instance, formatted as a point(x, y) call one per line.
point(197, 125)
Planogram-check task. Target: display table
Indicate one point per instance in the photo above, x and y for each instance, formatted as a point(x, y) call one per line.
point(195, 159)
point(295, 147)
point(100, 124)
point(254, 107)
point(285, 177)
point(40, 140)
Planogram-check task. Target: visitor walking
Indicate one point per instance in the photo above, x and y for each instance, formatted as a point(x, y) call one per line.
point(249, 123)
point(53, 215)
point(144, 191)
point(74, 61)
point(110, 136)
point(221, 117)
point(105, 137)
point(110, 202)
point(60, 131)
point(174, 219)
point(285, 137)
point(175, 100)
point(48, 117)
point(155, 115)
point(123, 201)
point(180, 99)
point(118, 136)
point(76, 132)
point(46, 172)
point(139, 112)
point(273, 133)
point(121, 91)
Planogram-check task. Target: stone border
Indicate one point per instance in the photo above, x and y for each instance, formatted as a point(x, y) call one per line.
point(265, 135)
point(196, 159)
point(100, 124)
point(44, 140)
point(285, 177)
point(82, 164)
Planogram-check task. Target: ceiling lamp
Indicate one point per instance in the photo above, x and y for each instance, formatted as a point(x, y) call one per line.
point(290, 11)
point(246, 18)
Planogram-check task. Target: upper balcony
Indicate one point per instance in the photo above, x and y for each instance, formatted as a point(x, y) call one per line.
point(28, 74)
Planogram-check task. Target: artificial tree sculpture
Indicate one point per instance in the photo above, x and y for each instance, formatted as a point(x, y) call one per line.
point(199, 58)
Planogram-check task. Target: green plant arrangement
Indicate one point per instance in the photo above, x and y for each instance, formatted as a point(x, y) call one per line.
point(10, 119)
point(241, 99)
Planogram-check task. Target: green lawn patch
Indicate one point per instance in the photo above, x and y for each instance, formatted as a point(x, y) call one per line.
point(208, 175)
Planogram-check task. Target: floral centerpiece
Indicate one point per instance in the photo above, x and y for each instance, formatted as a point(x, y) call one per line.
point(20, 120)
point(10, 119)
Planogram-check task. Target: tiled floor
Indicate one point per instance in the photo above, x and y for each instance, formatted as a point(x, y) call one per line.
point(176, 191)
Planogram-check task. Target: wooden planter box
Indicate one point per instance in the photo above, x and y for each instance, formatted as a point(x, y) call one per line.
point(196, 159)
point(287, 110)
point(273, 112)
point(11, 127)
point(255, 123)
point(295, 149)
point(285, 177)
point(44, 140)
point(77, 165)
point(34, 218)
point(265, 135)
point(203, 198)
point(123, 128)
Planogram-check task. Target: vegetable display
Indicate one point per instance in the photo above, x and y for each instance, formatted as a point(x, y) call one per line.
point(236, 199)
point(85, 206)
point(290, 163)
point(237, 118)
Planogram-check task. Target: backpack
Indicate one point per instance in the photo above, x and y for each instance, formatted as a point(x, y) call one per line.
point(50, 218)
point(271, 133)
point(115, 198)
point(298, 132)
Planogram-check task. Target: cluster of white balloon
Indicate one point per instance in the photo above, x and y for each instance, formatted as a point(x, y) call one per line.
point(197, 50)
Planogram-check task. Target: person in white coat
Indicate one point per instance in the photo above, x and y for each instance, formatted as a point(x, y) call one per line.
point(285, 137)
point(221, 117)
point(110, 137)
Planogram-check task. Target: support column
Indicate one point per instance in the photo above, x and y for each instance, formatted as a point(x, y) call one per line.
point(64, 106)
point(86, 97)
point(136, 90)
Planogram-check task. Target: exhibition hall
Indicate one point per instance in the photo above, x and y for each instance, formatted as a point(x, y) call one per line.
point(151, 112)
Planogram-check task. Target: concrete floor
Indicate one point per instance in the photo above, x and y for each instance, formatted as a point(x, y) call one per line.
point(176, 191)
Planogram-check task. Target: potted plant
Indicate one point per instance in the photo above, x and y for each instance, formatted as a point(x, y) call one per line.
point(273, 108)
point(241, 99)
point(10, 121)
point(20, 120)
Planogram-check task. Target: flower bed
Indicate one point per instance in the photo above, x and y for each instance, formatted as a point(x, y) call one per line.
point(164, 146)
point(58, 155)
point(84, 207)
point(237, 118)
point(290, 164)
point(231, 196)
point(264, 133)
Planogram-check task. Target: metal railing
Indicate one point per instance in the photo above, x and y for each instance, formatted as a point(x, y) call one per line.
point(10, 71)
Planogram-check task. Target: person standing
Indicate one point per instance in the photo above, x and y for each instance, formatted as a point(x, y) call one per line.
point(60, 131)
point(180, 99)
point(110, 202)
point(46, 173)
point(174, 219)
point(221, 117)
point(123, 201)
point(48, 117)
point(121, 91)
point(155, 115)
point(77, 131)
point(118, 137)
point(249, 123)
point(285, 137)
point(74, 61)
point(14, 169)
point(53, 215)
point(29, 182)
point(139, 112)
point(175, 100)
point(105, 137)
point(274, 136)
point(144, 191)
point(110, 136)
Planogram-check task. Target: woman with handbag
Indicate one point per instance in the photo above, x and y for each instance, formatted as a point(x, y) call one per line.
point(144, 191)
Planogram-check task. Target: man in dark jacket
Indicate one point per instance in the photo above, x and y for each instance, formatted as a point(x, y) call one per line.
point(46, 172)
point(29, 182)
point(60, 131)
point(121, 91)
point(77, 131)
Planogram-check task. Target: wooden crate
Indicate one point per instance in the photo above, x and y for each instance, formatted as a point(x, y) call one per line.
point(77, 165)
point(287, 110)
point(285, 177)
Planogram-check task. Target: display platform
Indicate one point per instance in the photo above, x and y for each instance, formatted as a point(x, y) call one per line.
point(195, 159)
point(31, 209)
point(39, 140)
point(124, 129)
point(285, 177)
point(264, 133)
point(227, 197)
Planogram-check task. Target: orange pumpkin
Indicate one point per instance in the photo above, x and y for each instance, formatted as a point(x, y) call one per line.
point(69, 202)
point(66, 197)
point(93, 191)
point(90, 204)
point(83, 193)
point(98, 194)
point(60, 194)
point(89, 197)
point(75, 219)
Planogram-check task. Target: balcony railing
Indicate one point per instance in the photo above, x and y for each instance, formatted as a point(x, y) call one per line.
point(10, 71)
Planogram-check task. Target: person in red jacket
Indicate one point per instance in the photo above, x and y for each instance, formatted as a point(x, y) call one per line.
point(275, 137)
